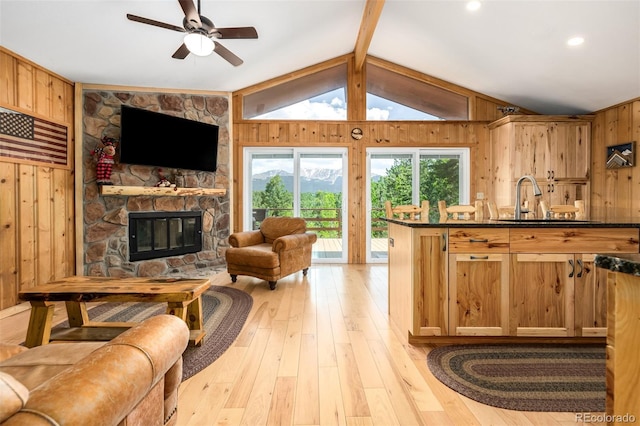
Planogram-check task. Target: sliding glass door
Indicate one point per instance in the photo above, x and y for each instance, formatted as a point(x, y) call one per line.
point(304, 182)
point(408, 176)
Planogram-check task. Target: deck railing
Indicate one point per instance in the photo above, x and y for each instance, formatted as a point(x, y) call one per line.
point(317, 219)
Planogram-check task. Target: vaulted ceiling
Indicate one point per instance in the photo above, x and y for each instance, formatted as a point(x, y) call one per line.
point(514, 50)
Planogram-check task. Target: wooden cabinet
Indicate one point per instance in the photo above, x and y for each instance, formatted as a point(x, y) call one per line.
point(500, 282)
point(590, 298)
point(553, 149)
point(418, 292)
point(623, 345)
point(479, 281)
point(555, 290)
point(542, 287)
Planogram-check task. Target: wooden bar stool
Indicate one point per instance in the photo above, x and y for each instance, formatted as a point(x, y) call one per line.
point(507, 212)
point(464, 212)
point(410, 210)
point(563, 211)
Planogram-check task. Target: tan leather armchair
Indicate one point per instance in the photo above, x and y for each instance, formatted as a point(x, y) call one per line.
point(280, 247)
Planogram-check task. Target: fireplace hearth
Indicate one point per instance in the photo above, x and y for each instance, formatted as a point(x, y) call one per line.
point(155, 234)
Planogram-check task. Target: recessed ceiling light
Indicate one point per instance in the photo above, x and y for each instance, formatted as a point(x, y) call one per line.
point(575, 41)
point(473, 5)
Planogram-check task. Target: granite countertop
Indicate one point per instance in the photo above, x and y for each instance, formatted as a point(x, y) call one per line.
point(524, 223)
point(625, 263)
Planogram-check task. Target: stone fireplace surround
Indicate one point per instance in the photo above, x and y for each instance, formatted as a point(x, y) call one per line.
point(105, 217)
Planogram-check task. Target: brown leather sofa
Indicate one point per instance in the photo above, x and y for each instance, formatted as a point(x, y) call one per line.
point(131, 380)
point(280, 247)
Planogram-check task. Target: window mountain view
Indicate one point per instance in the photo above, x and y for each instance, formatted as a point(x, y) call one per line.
point(321, 192)
point(311, 180)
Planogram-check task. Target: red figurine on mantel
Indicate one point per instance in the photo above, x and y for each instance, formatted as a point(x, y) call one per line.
point(105, 155)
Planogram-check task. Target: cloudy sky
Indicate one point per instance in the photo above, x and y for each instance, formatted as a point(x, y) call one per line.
point(332, 106)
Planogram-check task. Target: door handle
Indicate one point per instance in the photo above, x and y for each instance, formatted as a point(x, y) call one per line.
point(478, 257)
point(444, 242)
point(581, 268)
point(478, 240)
point(573, 268)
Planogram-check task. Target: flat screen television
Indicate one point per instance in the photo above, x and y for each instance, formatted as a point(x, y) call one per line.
point(154, 139)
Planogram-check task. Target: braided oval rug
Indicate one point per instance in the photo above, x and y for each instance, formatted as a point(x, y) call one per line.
point(545, 377)
point(224, 311)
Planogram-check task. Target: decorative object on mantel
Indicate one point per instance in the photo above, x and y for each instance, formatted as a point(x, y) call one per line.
point(621, 155)
point(164, 182)
point(104, 155)
point(509, 110)
point(161, 191)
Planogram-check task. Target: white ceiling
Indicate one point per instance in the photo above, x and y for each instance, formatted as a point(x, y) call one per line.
point(513, 50)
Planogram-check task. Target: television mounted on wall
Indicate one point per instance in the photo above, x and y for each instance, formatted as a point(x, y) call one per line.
point(151, 138)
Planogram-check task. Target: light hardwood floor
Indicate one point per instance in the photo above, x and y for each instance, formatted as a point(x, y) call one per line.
point(319, 351)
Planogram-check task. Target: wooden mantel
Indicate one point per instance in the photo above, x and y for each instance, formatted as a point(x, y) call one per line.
point(160, 191)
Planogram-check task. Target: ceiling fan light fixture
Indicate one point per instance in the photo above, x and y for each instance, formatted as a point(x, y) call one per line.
point(199, 44)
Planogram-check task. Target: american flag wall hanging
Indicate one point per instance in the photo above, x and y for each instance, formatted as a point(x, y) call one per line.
point(29, 138)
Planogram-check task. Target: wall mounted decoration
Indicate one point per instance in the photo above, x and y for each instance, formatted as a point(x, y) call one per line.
point(24, 137)
point(621, 155)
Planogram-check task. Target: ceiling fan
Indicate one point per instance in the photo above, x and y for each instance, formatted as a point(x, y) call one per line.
point(202, 35)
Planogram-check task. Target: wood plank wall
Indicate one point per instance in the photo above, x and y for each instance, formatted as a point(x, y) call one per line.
point(615, 192)
point(36, 201)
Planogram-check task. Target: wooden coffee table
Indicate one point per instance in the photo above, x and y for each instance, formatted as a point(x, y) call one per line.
point(181, 295)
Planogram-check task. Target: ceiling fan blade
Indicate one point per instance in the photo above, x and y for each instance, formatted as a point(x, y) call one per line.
point(236, 32)
point(227, 54)
point(154, 23)
point(191, 13)
point(181, 53)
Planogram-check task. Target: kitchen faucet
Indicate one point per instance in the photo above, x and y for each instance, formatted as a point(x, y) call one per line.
point(536, 191)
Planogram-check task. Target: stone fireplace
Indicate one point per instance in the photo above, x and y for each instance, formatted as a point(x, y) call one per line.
point(106, 218)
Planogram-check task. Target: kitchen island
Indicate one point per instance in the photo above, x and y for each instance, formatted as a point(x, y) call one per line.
point(502, 280)
point(623, 335)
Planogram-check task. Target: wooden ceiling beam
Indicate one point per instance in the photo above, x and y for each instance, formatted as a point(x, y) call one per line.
point(370, 16)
